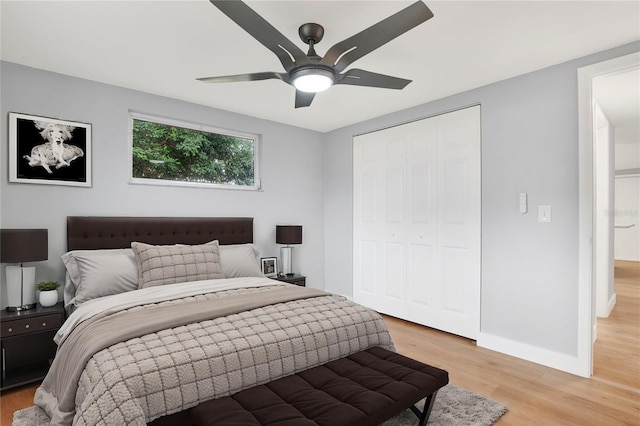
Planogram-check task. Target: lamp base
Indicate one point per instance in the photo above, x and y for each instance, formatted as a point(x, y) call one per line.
point(285, 255)
point(21, 292)
point(20, 308)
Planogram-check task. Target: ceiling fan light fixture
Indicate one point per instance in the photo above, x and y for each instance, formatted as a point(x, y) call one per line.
point(310, 73)
point(312, 79)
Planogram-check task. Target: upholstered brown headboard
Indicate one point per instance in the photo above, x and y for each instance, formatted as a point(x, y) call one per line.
point(106, 232)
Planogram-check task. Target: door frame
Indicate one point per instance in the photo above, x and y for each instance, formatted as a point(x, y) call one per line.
point(586, 205)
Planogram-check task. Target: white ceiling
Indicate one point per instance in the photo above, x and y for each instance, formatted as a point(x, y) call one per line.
point(161, 47)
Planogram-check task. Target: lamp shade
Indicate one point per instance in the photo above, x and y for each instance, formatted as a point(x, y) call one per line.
point(289, 234)
point(23, 245)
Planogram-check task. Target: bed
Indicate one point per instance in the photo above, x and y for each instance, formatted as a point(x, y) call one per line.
point(166, 313)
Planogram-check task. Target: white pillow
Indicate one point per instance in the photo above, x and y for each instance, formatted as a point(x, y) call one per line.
point(98, 273)
point(240, 260)
point(161, 265)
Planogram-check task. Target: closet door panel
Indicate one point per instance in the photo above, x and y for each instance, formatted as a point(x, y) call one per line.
point(393, 246)
point(459, 222)
point(422, 292)
point(392, 297)
point(369, 281)
point(454, 283)
point(455, 191)
point(421, 220)
point(367, 180)
point(379, 192)
point(423, 248)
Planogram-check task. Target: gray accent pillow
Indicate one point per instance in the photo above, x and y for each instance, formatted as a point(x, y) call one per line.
point(161, 265)
point(240, 260)
point(98, 273)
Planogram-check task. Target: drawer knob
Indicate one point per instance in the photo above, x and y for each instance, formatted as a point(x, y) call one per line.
point(26, 326)
point(44, 324)
point(10, 330)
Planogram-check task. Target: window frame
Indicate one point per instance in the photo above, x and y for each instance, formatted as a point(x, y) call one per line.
point(198, 127)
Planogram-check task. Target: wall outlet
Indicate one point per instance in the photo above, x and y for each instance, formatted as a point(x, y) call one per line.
point(544, 213)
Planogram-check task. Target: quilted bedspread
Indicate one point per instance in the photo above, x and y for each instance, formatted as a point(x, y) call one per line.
point(138, 380)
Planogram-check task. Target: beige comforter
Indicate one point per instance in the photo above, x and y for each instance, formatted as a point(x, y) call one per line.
point(133, 365)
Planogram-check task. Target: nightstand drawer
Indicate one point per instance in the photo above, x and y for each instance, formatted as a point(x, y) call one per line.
point(30, 325)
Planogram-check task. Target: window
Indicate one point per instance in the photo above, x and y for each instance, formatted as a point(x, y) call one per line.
point(167, 152)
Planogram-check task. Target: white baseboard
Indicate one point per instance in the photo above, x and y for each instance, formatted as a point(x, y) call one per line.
point(542, 356)
point(611, 304)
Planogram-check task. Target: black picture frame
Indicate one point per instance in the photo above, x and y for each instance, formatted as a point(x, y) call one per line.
point(49, 151)
point(269, 266)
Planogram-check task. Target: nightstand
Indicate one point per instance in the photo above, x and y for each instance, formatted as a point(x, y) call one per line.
point(26, 338)
point(296, 279)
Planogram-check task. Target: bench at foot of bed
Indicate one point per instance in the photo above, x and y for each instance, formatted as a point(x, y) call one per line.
point(362, 389)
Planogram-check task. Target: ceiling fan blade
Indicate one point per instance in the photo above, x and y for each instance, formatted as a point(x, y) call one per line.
point(246, 77)
point(289, 54)
point(357, 77)
point(347, 51)
point(304, 99)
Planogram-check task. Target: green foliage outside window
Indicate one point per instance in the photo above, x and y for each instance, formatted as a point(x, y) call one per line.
point(166, 152)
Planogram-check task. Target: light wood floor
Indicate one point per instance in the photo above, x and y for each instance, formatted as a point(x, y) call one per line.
point(535, 395)
point(616, 353)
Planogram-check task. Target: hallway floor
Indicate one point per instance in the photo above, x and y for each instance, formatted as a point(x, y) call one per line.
point(617, 350)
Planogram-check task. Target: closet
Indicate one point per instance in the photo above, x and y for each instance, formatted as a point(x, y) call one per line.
point(416, 221)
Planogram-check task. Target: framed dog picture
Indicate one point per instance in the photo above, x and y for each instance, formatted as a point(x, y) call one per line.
point(269, 266)
point(49, 151)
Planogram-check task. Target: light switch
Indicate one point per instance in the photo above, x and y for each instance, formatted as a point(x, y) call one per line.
point(544, 213)
point(522, 200)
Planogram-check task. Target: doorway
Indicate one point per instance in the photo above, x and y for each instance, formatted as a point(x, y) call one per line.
point(595, 274)
point(616, 98)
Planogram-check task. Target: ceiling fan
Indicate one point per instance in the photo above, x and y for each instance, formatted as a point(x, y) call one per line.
point(310, 73)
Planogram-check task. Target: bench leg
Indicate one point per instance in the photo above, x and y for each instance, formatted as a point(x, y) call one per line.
point(426, 411)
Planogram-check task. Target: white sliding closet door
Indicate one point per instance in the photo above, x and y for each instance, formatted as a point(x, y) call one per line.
point(380, 234)
point(417, 221)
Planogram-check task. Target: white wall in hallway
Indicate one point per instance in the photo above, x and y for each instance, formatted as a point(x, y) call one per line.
point(627, 212)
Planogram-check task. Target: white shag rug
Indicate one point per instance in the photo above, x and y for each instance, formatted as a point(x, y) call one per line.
point(454, 406)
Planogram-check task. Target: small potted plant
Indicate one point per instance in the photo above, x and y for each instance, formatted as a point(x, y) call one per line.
point(48, 293)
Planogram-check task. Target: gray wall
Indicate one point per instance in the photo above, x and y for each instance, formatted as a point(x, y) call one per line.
point(292, 175)
point(529, 144)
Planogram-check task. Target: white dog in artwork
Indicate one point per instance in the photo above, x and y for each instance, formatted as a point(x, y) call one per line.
point(55, 152)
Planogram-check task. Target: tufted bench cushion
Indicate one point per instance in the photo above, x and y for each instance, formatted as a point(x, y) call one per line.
point(362, 389)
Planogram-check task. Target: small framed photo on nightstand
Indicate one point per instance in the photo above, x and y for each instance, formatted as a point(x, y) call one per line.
point(269, 266)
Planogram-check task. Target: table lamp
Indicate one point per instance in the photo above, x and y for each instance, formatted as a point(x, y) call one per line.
point(288, 234)
point(20, 246)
